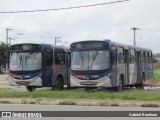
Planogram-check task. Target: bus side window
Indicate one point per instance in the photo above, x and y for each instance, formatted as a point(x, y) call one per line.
point(147, 57)
point(132, 56)
point(120, 55)
point(142, 57)
point(150, 57)
point(49, 57)
point(59, 57)
point(113, 55)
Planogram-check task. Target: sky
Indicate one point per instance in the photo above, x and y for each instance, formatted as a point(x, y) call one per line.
point(111, 21)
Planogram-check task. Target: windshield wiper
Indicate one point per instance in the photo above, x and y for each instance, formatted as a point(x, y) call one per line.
point(94, 57)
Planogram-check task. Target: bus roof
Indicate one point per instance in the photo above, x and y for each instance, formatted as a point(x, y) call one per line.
point(117, 44)
point(43, 45)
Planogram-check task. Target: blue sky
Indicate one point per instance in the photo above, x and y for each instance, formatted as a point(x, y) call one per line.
point(101, 22)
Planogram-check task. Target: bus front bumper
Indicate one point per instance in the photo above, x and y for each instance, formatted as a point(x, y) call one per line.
point(36, 81)
point(103, 82)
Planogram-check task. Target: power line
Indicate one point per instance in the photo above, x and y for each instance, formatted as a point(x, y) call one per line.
point(66, 8)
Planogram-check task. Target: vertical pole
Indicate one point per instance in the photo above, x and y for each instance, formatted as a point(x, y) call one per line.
point(134, 35)
point(55, 40)
point(7, 36)
point(7, 30)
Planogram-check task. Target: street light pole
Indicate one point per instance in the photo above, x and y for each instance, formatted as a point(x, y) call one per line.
point(10, 39)
point(7, 30)
point(56, 40)
point(134, 35)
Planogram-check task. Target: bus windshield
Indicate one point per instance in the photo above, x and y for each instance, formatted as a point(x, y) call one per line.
point(90, 60)
point(25, 61)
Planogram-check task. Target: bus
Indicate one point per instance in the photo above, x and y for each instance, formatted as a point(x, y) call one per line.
point(38, 65)
point(107, 64)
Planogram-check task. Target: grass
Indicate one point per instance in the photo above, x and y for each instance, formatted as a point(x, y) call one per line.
point(81, 95)
point(156, 74)
point(40, 95)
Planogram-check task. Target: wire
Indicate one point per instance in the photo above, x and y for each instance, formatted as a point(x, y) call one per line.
point(67, 8)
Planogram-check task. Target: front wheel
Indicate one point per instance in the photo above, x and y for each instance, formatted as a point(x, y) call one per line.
point(30, 88)
point(141, 84)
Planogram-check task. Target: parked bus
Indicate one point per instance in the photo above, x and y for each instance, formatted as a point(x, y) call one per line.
point(107, 64)
point(38, 65)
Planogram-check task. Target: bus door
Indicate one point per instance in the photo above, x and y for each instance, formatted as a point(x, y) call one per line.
point(60, 65)
point(68, 64)
point(138, 61)
point(47, 68)
point(126, 57)
point(114, 65)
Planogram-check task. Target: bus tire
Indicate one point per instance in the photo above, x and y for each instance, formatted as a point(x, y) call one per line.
point(30, 88)
point(120, 87)
point(59, 84)
point(141, 84)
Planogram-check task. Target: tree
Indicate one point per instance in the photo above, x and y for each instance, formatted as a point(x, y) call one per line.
point(3, 48)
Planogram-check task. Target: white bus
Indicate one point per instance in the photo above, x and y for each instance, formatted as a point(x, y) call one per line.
point(107, 64)
point(38, 65)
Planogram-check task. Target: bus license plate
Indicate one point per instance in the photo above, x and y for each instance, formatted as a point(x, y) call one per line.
point(88, 82)
point(22, 82)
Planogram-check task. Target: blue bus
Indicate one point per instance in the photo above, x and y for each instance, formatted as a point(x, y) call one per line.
point(107, 64)
point(38, 65)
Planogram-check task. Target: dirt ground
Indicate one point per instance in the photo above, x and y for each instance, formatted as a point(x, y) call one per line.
point(152, 82)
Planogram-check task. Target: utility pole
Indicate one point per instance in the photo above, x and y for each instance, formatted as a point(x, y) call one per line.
point(134, 35)
point(7, 43)
point(56, 40)
point(7, 30)
point(10, 39)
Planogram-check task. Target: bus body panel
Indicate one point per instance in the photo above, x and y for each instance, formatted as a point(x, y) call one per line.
point(47, 77)
point(91, 80)
point(28, 79)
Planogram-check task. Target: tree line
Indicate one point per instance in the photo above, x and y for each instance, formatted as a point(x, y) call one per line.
point(3, 48)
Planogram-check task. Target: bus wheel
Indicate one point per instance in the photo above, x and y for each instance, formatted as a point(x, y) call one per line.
point(120, 87)
point(31, 88)
point(141, 85)
point(58, 84)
